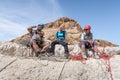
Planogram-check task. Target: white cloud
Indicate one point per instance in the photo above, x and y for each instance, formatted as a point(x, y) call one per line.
point(15, 17)
point(10, 29)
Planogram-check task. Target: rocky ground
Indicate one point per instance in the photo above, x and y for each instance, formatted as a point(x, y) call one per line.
point(13, 68)
point(18, 63)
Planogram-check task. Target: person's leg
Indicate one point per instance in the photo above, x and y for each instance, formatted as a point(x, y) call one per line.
point(35, 47)
point(82, 46)
point(83, 49)
point(96, 54)
point(53, 46)
point(45, 47)
point(65, 45)
point(94, 47)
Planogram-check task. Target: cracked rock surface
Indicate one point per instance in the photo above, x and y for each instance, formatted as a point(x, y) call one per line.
point(16, 63)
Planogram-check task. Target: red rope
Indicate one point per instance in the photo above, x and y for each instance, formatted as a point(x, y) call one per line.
point(106, 62)
point(78, 57)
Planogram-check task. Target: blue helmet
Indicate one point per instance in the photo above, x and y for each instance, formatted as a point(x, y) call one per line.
point(42, 25)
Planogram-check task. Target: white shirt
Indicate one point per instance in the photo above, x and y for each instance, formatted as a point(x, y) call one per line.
point(85, 37)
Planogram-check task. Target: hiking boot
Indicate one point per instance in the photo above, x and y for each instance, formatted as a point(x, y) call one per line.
point(67, 56)
point(96, 56)
point(84, 55)
point(42, 51)
point(49, 54)
point(37, 53)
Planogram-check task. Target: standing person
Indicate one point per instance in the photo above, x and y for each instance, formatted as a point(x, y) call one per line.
point(87, 42)
point(60, 39)
point(37, 38)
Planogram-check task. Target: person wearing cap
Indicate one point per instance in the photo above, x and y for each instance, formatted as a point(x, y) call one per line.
point(60, 39)
point(36, 38)
point(87, 42)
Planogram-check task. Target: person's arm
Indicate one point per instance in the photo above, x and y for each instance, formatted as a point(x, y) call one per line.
point(56, 35)
point(91, 40)
point(41, 33)
point(65, 36)
point(30, 29)
point(82, 38)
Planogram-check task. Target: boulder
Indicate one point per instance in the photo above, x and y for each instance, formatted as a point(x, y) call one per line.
point(14, 49)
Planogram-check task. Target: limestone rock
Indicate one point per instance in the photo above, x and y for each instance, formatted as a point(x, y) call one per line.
point(34, 69)
point(14, 49)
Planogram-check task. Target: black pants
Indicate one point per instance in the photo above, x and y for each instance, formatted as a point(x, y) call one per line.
point(64, 44)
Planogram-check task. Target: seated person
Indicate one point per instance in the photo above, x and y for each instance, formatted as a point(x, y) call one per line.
point(60, 39)
point(37, 38)
point(87, 42)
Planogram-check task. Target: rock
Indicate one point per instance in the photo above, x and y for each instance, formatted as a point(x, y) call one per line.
point(18, 64)
point(35, 69)
point(59, 50)
point(73, 29)
point(14, 49)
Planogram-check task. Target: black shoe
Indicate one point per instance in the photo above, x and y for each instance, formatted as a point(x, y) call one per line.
point(49, 54)
point(37, 54)
point(67, 55)
point(42, 51)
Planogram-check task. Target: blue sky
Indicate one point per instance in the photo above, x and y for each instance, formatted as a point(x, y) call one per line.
point(102, 15)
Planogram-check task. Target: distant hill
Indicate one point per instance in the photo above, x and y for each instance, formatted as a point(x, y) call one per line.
point(74, 31)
